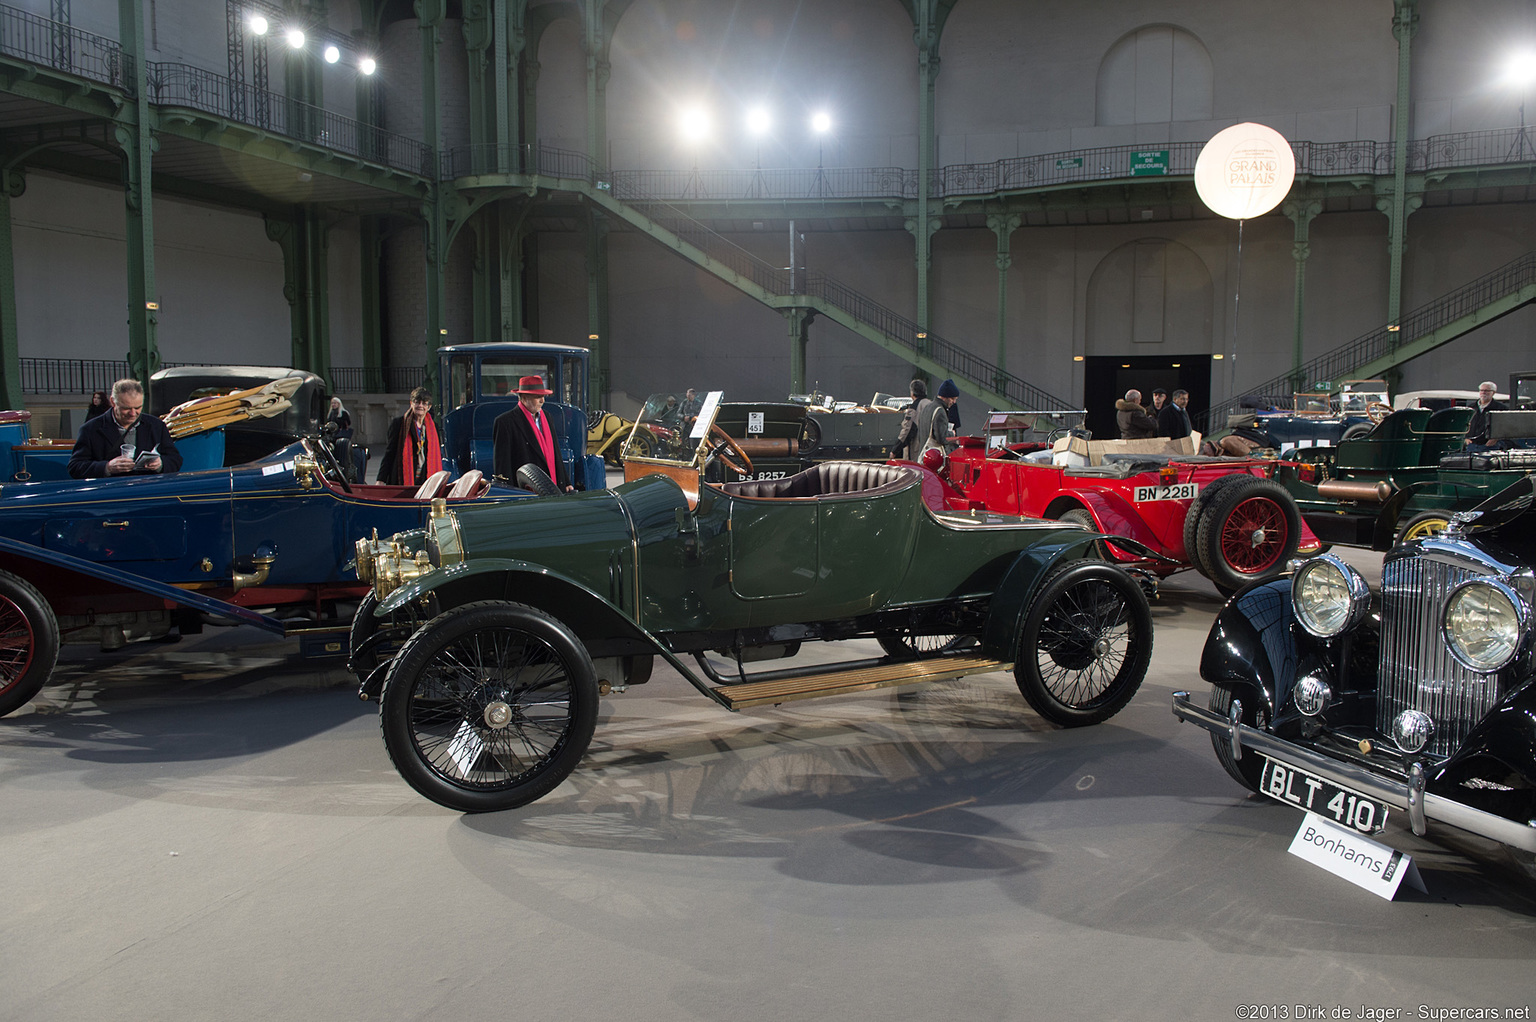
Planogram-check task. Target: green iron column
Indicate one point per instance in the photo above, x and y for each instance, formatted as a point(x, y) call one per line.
point(1003, 225)
point(479, 32)
point(927, 38)
point(13, 184)
point(595, 42)
point(303, 243)
point(799, 321)
point(429, 15)
point(132, 132)
point(597, 308)
point(372, 295)
point(1301, 213)
point(1405, 21)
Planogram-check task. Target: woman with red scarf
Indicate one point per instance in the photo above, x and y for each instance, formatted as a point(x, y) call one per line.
point(412, 451)
point(522, 436)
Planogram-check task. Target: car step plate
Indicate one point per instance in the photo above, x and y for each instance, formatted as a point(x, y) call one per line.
point(1285, 783)
point(908, 672)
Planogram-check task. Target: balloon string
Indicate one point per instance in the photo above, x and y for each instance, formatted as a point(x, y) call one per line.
point(1237, 296)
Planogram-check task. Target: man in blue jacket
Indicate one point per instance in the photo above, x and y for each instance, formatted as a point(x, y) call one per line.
point(102, 449)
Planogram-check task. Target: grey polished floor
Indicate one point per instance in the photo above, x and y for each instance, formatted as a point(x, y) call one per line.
point(212, 830)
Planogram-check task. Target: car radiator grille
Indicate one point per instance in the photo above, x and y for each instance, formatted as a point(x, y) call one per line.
point(1417, 671)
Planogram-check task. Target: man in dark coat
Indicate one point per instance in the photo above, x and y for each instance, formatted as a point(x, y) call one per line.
point(1132, 418)
point(915, 420)
point(100, 451)
point(1173, 420)
point(523, 437)
point(1481, 424)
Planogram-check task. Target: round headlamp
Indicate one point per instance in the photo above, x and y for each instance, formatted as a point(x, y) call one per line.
point(1485, 623)
point(1329, 596)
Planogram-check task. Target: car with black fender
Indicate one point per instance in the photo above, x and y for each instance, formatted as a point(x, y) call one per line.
point(490, 635)
point(1418, 699)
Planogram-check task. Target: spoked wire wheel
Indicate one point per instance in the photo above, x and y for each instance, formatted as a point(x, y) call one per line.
point(489, 706)
point(1085, 644)
point(907, 646)
point(29, 642)
point(1247, 533)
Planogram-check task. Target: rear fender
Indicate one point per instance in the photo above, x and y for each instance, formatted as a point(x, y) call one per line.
point(1112, 513)
point(1011, 600)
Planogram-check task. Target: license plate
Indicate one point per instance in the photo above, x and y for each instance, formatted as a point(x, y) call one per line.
point(1168, 491)
point(1305, 791)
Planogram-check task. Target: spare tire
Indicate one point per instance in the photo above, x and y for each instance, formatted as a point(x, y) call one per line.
point(537, 481)
point(1192, 518)
point(1247, 532)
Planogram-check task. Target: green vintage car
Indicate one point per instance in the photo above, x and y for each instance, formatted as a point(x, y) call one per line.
point(488, 638)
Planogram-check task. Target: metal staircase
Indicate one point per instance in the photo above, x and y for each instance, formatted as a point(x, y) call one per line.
point(1438, 322)
point(773, 286)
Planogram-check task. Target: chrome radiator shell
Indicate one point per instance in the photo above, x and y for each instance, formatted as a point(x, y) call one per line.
point(1415, 670)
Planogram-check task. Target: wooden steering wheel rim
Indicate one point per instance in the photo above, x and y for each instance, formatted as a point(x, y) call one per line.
point(1378, 410)
point(726, 442)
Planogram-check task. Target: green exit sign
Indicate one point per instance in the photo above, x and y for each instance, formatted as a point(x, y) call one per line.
point(1070, 163)
point(1146, 162)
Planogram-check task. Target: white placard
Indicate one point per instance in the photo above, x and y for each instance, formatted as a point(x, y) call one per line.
point(754, 422)
point(1345, 853)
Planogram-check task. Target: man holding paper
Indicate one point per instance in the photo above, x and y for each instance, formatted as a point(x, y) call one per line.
point(125, 442)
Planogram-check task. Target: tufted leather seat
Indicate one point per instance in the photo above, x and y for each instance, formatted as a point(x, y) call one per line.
point(828, 479)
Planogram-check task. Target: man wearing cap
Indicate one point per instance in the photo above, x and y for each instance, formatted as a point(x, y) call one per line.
point(522, 436)
point(938, 434)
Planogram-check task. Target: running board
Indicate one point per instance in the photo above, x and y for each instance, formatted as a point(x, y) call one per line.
point(812, 686)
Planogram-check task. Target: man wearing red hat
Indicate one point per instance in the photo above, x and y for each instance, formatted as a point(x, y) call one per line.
point(522, 436)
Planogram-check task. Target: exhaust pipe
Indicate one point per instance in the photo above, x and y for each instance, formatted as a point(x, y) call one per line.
point(1350, 489)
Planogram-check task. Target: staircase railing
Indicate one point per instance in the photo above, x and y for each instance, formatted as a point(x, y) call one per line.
point(1347, 358)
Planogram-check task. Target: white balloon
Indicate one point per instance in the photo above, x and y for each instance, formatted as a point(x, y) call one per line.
point(1245, 171)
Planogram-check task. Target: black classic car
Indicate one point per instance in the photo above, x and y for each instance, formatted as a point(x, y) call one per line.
point(1418, 699)
point(518, 619)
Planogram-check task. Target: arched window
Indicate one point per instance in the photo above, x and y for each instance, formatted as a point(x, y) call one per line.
point(1155, 74)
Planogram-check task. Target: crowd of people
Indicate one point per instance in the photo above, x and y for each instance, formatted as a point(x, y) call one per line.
point(1167, 417)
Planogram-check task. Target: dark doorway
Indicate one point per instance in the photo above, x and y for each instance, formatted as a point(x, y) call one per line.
point(1106, 378)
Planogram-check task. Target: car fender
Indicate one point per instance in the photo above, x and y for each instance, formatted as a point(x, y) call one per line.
point(1505, 736)
point(138, 583)
point(1112, 513)
point(1011, 599)
point(1251, 648)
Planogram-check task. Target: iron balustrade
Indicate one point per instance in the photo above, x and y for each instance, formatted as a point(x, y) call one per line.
point(62, 47)
point(1380, 342)
point(85, 376)
point(375, 379)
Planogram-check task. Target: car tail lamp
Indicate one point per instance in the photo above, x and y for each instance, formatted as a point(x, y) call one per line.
point(1167, 475)
point(1329, 597)
point(1306, 472)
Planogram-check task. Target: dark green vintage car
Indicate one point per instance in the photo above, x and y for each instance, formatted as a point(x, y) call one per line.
point(489, 637)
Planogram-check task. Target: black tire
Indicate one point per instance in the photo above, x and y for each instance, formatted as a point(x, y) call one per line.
point(1085, 644)
point(29, 642)
point(489, 706)
point(1423, 525)
point(1192, 518)
point(1247, 533)
point(1082, 516)
point(1356, 431)
point(537, 481)
point(1247, 768)
point(372, 640)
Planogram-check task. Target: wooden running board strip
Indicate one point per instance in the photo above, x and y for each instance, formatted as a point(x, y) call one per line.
point(908, 672)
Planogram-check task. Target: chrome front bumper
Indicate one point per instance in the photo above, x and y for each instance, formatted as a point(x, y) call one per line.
point(1411, 798)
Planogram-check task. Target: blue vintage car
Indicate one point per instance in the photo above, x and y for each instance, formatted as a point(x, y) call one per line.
point(268, 543)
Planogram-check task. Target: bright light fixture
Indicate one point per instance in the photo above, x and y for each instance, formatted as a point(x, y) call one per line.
point(1520, 71)
point(693, 123)
point(332, 54)
point(367, 65)
point(821, 122)
point(259, 24)
point(295, 38)
point(759, 120)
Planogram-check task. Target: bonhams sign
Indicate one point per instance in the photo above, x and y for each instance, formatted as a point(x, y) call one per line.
point(1244, 171)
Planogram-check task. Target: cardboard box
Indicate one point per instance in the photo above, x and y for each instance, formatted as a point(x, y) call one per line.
point(1093, 451)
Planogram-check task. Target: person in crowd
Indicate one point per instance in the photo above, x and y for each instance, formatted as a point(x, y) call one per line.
point(691, 405)
point(522, 436)
point(939, 434)
point(126, 441)
point(412, 450)
point(1132, 418)
point(953, 406)
point(1478, 428)
point(340, 434)
point(1159, 402)
point(1173, 418)
point(99, 406)
point(909, 440)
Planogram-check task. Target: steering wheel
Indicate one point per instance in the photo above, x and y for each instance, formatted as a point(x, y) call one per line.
point(1378, 410)
point(725, 442)
point(329, 465)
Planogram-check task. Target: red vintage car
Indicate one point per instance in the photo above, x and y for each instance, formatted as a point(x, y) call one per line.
point(1223, 516)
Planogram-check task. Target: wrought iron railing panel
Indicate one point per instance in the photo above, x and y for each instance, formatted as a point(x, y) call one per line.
point(375, 379)
point(64, 48)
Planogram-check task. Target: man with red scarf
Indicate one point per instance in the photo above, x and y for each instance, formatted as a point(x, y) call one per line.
point(412, 451)
point(522, 436)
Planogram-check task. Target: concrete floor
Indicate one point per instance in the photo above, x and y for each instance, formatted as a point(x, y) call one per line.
point(212, 830)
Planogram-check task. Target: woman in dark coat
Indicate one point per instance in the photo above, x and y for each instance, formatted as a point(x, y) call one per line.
point(412, 451)
point(98, 405)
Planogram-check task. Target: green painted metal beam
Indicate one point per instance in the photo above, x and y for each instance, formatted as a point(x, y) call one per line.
point(1412, 349)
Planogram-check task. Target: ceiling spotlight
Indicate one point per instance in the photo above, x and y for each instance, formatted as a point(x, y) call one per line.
point(821, 122)
point(1521, 70)
point(332, 54)
point(693, 122)
point(259, 24)
point(367, 65)
point(759, 120)
point(295, 38)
